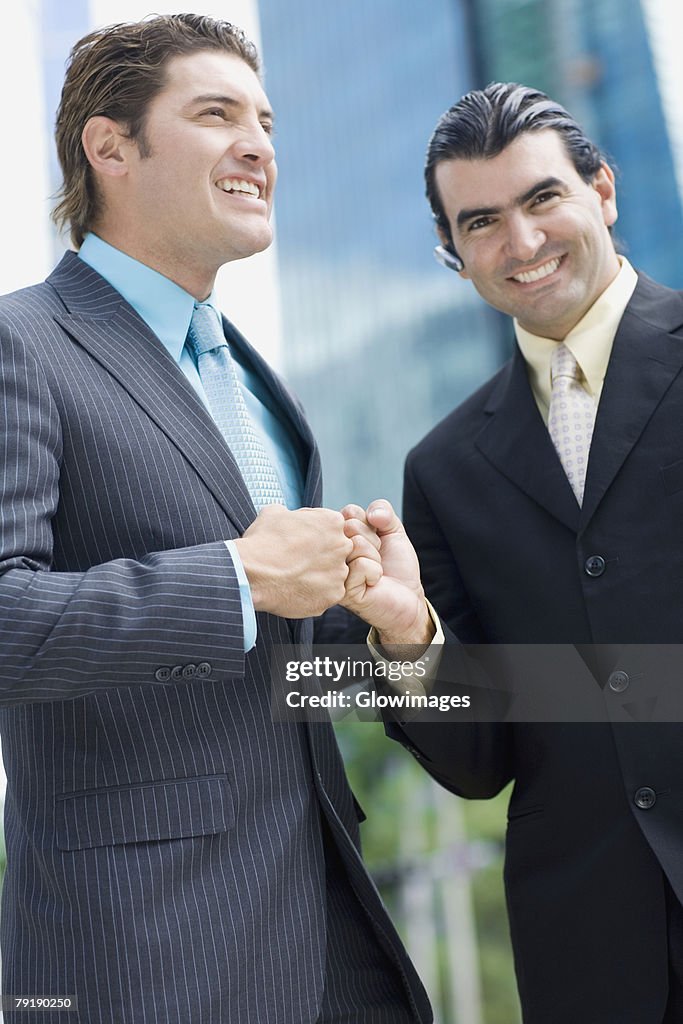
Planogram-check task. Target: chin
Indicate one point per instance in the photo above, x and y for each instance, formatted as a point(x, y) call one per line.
point(250, 246)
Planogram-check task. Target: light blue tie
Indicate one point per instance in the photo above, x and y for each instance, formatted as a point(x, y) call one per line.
point(216, 368)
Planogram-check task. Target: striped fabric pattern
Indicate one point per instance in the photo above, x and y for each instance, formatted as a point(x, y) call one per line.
point(165, 858)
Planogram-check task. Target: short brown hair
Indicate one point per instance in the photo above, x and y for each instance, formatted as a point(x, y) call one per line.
point(116, 72)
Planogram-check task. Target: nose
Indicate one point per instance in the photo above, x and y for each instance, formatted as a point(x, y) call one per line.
point(255, 146)
point(524, 237)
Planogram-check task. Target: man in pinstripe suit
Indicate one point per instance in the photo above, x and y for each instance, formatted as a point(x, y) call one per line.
point(173, 854)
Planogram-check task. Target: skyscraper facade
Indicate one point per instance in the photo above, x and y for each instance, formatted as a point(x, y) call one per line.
point(380, 341)
point(596, 57)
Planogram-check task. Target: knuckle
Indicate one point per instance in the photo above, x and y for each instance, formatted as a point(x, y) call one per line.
point(354, 511)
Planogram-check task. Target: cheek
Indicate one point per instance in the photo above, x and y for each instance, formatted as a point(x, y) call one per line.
point(271, 179)
point(481, 270)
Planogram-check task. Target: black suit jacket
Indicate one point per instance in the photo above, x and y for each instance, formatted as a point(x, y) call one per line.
point(504, 549)
point(165, 857)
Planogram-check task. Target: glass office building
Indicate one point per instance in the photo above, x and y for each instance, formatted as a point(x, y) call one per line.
point(596, 57)
point(379, 341)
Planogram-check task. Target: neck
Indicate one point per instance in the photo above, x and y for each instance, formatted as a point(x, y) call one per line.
point(196, 280)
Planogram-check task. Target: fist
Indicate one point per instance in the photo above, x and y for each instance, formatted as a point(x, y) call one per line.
point(394, 603)
point(296, 561)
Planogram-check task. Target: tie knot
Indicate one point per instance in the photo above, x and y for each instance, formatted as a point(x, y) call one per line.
point(206, 332)
point(564, 364)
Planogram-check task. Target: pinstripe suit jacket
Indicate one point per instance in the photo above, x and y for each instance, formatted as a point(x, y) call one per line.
point(163, 834)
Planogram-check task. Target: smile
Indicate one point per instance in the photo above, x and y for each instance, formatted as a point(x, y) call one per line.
point(239, 185)
point(528, 276)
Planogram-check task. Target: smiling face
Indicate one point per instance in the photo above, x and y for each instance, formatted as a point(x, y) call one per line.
point(533, 235)
point(197, 192)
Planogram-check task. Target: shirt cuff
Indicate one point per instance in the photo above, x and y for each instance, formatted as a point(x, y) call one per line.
point(248, 613)
point(431, 658)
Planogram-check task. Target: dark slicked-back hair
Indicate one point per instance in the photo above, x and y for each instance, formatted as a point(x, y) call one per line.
point(117, 71)
point(485, 121)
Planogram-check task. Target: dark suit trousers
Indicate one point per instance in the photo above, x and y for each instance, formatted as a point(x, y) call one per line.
point(362, 986)
point(674, 1007)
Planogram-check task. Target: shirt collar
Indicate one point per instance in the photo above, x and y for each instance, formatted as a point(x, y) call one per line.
point(165, 307)
point(590, 341)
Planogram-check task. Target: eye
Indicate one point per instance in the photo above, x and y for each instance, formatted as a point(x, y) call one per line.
point(480, 222)
point(213, 112)
point(268, 127)
point(544, 197)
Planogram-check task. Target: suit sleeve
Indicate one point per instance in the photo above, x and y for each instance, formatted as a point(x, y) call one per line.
point(470, 758)
point(125, 622)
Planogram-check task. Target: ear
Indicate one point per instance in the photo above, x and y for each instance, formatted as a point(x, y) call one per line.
point(106, 146)
point(447, 243)
point(603, 183)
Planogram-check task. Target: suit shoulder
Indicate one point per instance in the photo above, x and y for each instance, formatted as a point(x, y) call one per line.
point(655, 304)
point(27, 317)
point(25, 303)
point(456, 431)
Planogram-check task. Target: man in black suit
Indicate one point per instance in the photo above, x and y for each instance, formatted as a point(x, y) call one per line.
point(173, 853)
point(532, 533)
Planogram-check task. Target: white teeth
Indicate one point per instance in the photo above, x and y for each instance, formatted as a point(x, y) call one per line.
point(536, 275)
point(238, 185)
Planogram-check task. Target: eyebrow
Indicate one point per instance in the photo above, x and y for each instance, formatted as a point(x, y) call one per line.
point(228, 101)
point(488, 211)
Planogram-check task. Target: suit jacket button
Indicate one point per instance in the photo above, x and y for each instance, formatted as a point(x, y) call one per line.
point(645, 798)
point(177, 672)
point(618, 682)
point(594, 566)
point(204, 669)
point(162, 675)
point(189, 671)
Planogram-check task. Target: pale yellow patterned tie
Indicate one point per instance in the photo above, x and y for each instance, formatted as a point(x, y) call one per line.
point(571, 418)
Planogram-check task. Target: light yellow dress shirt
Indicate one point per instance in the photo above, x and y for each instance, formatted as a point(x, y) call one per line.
point(590, 341)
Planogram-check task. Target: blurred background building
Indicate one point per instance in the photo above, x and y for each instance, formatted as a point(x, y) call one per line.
point(358, 88)
point(378, 340)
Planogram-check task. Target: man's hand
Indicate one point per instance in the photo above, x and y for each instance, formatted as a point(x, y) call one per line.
point(296, 561)
point(394, 603)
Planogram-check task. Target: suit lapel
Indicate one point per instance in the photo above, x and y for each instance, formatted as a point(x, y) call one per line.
point(646, 357)
point(516, 440)
point(100, 320)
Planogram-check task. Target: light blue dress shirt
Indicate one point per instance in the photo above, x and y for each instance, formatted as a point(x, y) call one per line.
point(167, 310)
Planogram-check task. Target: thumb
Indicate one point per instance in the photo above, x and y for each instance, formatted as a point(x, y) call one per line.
point(382, 517)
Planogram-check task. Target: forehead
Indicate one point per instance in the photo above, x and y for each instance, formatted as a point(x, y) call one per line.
point(211, 73)
point(498, 180)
